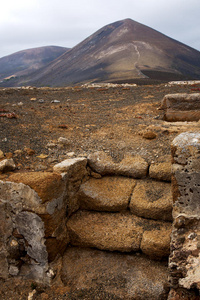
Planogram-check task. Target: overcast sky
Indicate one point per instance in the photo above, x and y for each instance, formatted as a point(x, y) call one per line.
point(27, 24)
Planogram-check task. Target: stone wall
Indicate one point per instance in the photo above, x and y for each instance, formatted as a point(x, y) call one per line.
point(33, 214)
point(93, 202)
point(184, 261)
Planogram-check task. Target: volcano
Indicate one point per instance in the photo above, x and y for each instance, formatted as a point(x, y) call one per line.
point(123, 51)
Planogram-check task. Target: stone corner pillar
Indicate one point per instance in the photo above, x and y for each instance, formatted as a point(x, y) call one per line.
point(184, 260)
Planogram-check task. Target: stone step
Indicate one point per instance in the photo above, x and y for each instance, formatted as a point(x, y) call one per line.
point(123, 232)
point(94, 274)
point(146, 198)
point(110, 193)
point(130, 166)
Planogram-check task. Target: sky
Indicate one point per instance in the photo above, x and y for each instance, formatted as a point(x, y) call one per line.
point(28, 24)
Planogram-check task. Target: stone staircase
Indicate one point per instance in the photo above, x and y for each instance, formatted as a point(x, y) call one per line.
point(129, 218)
point(110, 222)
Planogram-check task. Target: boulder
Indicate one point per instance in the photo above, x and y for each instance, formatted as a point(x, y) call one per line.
point(110, 193)
point(161, 171)
point(7, 165)
point(152, 200)
point(94, 274)
point(105, 231)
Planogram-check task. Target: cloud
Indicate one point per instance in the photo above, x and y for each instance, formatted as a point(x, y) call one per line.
point(26, 24)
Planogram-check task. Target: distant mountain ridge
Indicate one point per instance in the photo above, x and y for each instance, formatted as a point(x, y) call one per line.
point(23, 63)
point(121, 52)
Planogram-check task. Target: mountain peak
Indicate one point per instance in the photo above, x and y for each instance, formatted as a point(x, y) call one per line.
point(121, 52)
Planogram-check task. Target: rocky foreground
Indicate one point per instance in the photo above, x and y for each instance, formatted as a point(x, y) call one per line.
point(89, 168)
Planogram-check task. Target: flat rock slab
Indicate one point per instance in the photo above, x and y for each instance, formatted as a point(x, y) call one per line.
point(109, 193)
point(130, 166)
point(117, 232)
point(181, 107)
point(94, 274)
point(152, 200)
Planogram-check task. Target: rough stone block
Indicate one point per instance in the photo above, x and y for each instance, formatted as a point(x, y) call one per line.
point(130, 166)
point(72, 166)
point(34, 221)
point(105, 231)
point(101, 163)
point(109, 193)
point(133, 166)
point(152, 199)
point(116, 232)
point(156, 243)
point(161, 171)
point(47, 185)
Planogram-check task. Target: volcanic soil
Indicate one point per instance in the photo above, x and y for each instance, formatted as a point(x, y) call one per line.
point(113, 120)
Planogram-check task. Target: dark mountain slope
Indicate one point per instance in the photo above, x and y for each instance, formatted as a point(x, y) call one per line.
point(25, 62)
point(123, 50)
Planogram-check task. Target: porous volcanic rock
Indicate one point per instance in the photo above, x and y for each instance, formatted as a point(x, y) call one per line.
point(152, 199)
point(110, 193)
point(149, 134)
point(185, 246)
point(6, 229)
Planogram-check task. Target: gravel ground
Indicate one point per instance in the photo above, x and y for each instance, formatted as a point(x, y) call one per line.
point(90, 119)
